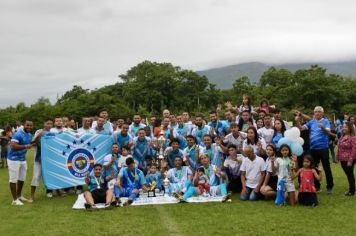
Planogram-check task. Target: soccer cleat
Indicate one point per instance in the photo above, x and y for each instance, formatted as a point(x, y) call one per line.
point(23, 199)
point(17, 202)
point(329, 191)
point(227, 197)
point(128, 202)
point(178, 197)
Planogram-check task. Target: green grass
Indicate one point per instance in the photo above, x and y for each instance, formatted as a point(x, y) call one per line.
point(334, 216)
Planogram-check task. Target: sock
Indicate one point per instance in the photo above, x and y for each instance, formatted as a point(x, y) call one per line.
point(190, 193)
point(116, 191)
point(187, 184)
point(223, 190)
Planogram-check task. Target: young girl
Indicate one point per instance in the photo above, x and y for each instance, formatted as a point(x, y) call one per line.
point(307, 191)
point(269, 187)
point(264, 106)
point(279, 129)
point(203, 181)
point(258, 144)
point(285, 167)
point(246, 104)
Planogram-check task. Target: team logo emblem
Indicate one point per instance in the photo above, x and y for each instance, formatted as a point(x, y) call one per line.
point(80, 162)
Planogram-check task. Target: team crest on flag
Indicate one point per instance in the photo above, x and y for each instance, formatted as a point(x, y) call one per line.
point(80, 162)
point(68, 157)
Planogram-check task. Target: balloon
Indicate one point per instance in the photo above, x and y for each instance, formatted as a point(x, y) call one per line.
point(292, 134)
point(297, 149)
point(300, 140)
point(284, 141)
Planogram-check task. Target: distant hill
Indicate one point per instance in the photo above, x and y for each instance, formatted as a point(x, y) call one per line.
point(225, 76)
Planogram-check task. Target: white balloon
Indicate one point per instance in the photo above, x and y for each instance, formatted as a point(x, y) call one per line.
point(300, 140)
point(289, 134)
point(292, 134)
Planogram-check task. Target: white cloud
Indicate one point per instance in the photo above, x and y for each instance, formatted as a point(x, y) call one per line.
point(48, 46)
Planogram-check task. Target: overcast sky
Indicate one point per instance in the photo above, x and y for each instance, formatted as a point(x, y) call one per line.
point(47, 46)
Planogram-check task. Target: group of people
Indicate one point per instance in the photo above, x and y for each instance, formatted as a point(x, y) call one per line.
point(184, 157)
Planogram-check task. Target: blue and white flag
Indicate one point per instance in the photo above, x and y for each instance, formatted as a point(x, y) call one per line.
point(68, 157)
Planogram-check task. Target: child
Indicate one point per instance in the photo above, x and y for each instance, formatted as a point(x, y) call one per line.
point(246, 104)
point(269, 187)
point(153, 178)
point(125, 153)
point(5, 138)
point(232, 166)
point(98, 191)
point(285, 167)
point(203, 181)
point(307, 191)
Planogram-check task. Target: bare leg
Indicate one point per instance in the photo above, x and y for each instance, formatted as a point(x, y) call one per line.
point(109, 196)
point(291, 196)
point(19, 188)
point(13, 191)
point(89, 198)
point(268, 192)
point(33, 190)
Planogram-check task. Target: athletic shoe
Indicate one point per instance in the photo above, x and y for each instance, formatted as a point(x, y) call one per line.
point(30, 200)
point(49, 195)
point(128, 202)
point(329, 191)
point(23, 199)
point(349, 194)
point(227, 197)
point(178, 197)
point(17, 202)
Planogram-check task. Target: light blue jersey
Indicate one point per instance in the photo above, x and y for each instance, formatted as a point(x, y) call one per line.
point(199, 132)
point(133, 129)
point(214, 153)
point(140, 150)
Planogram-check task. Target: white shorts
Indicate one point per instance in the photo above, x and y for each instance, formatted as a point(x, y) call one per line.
point(111, 183)
point(290, 186)
point(214, 191)
point(36, 174)
point(17, 170)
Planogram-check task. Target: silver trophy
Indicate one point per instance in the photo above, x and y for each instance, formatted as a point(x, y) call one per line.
point(160, 144)
point(161, 141)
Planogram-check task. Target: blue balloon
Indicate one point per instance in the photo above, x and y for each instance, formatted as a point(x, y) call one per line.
point(284, 141)
point(297, 149)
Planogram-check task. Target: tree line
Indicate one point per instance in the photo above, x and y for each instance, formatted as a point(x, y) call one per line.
point(150, 87)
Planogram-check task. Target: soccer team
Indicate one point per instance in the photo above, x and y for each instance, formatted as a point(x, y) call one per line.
point(238, 154)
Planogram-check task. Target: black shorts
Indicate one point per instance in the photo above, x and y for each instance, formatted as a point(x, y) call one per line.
point(99, 195)
point(273, 179)
point(308, 199)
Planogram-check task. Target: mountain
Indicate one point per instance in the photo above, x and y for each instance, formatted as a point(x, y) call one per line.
point(225, 76)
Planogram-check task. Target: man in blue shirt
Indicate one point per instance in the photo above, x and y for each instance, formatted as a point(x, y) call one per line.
point(141, 148)
point(37, 173)
point(20, 143)
point(319, 131)
point(129, 182)
point(97, 190)
point(136, 125)
point(218, 126)
point(123, 137)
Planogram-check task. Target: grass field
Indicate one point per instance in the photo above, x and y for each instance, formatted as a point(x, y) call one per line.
point(336, 215)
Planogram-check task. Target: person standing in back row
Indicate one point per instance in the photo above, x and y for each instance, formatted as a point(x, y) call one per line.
point(319, 130)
